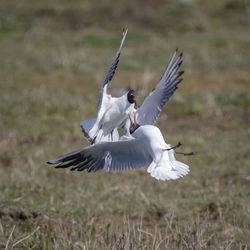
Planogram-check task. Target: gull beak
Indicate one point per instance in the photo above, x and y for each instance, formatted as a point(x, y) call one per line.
point(132, 123)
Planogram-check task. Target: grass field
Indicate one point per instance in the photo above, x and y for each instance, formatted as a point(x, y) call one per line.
point(53, 58)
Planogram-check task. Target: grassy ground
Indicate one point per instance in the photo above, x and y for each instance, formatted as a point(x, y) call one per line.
point(53, 59)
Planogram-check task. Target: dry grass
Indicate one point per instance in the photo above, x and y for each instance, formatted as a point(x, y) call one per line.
point(51, 68)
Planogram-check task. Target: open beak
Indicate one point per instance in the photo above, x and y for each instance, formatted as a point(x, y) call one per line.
point(132, 123)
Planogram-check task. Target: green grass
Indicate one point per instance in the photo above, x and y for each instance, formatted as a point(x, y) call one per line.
point(53, 60)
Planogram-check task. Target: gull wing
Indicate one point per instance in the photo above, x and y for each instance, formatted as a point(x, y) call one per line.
point(86, 125)
point(149, 111)
point(111, 71)
point(117, 156)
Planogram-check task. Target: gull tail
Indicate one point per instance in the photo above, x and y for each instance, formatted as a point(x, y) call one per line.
point(168, 168)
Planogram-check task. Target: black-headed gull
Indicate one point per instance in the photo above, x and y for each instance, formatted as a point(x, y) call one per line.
point(145, 147)
point(111, 111)
point(150, 110)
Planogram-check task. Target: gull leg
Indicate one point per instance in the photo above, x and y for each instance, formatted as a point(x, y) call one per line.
point(131, 120)
point(94, 139)
point(174, 147)
point(134, 118)
point(185, 154)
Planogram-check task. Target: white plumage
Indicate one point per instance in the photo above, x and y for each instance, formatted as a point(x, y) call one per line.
point(142, 143)
point(112, 113)
point(145, 147)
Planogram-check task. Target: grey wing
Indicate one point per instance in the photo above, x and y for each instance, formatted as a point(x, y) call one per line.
point(86, 126)
point(116, 156)
point(112, 69)
point(149, 111)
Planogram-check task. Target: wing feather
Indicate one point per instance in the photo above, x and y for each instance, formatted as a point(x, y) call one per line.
point(86, 126)
point(111, 70)
point(149, 111)
point(112, 156)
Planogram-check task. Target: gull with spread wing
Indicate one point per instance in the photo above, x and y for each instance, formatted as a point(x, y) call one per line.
point(144, 147)
point(148, 112)
point(111, 111)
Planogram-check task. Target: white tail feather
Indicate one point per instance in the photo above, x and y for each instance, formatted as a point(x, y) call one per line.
point(168, 168)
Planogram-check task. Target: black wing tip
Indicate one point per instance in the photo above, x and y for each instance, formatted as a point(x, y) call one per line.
point(78, 168)
point(177, 83)
point(180, 63)
point(181, 53)
point(124, 30)
point(52, 162)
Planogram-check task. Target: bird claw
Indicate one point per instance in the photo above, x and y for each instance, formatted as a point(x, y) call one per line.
point(185, 154)
point(174, 147)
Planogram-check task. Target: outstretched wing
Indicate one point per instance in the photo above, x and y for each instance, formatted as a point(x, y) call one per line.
point(149, 111)
point(111, 71)
point(117, 156)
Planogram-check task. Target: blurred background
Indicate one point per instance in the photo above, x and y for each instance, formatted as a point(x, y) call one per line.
point(53, 59)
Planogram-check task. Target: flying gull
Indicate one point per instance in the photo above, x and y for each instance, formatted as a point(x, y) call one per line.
point(145, 147)
point(111, 111)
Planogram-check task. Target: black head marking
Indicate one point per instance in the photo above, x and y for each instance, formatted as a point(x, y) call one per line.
point(131, 96)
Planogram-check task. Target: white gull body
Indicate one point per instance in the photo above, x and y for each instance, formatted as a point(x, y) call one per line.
point(145, 147)
point(164, 166)
point(150, 109)
point(111, 111)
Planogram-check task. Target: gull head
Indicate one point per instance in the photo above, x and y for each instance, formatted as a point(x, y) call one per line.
point(131, 95)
